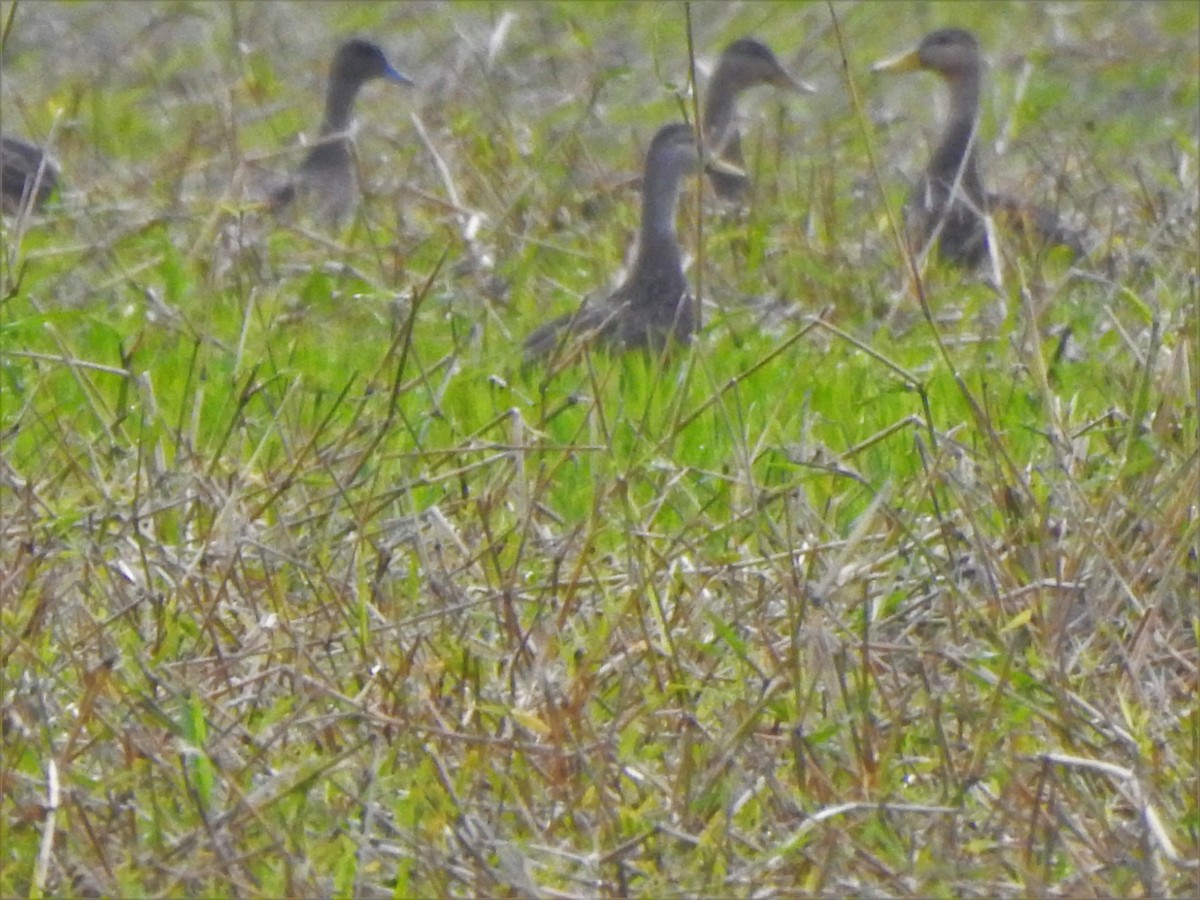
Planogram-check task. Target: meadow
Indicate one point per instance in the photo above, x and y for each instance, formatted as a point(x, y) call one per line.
point(885, 586)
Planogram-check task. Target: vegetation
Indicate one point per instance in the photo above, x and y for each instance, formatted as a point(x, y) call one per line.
point(310, 587)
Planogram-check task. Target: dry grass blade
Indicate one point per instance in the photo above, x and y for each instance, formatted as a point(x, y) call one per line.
point(309, 585)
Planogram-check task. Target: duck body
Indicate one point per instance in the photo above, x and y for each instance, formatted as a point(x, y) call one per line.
point(950, 203)
point(327, 172)
point(744, 64)
point(28, 177)
point(652, 306)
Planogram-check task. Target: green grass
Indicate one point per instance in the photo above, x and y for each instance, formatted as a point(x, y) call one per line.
point(312, 586)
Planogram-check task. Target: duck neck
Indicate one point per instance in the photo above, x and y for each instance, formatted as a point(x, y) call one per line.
point(659, 244)
point(718, 111)
point(339, 104)
point(957, 149)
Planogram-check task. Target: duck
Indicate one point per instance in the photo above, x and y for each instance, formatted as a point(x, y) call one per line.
point(327, 173)
point(949, 205)
point(744, 64)
point(28, 177)
point(652, 306)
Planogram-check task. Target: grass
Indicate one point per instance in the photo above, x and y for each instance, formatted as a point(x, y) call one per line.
point(311, 586)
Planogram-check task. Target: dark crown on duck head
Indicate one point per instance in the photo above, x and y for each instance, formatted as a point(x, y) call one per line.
point(359, 61)
point(675, 146)
point(748, 48)
point(676, 136)
point(949, 51)
point(752, 62)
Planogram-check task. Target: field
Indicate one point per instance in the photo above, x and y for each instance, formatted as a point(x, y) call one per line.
point(885, 586)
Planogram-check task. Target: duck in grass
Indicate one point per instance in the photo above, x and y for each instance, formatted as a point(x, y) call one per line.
point(744, 64)
point(949, 205)
point(27, 176)
point(327, 174)
point(653, 305)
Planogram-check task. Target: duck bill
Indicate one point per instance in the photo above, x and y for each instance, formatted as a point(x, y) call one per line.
point(906, 62)
point(787, 82)
point(715, 164)
point(393, 74)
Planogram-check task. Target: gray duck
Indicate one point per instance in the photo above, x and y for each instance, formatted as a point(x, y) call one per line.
point(949, 204)
point(327, 173)
point(28, 177)
point(653, 305)
point(744, 64)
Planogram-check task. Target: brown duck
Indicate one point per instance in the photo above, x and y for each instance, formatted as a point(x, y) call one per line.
point(744, 64)
point(652, 306)
point(949, 204)
point(327, 173)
